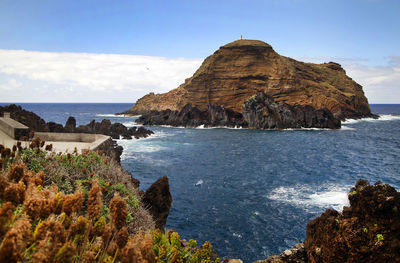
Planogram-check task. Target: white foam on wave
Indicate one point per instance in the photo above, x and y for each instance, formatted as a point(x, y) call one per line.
point(307, 196)
point(130, 124)
point(116, 115)
point(305, 129)
point(383, 117)
point(200, 182)
point(347, 128)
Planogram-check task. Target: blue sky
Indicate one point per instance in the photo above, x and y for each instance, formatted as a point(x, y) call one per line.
point(362, 35)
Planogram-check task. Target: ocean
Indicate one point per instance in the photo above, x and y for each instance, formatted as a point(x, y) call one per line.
point(251, 192)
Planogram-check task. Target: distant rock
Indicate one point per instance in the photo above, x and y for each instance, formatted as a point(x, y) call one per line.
point(158, 200)
point(259, 112)
point(70, 125)
point(241, 69)
point(193, 117)
point(262, 112)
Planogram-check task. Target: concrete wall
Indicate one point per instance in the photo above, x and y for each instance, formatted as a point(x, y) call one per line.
point(13, 128)
point(66, 137)
point(68, 141)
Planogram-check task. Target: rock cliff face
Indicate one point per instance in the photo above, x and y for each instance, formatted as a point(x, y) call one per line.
point(240, 69)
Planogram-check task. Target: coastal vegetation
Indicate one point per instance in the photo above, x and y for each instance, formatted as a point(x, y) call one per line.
point(79, 208)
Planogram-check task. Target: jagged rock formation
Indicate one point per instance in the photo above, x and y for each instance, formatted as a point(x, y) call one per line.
point(115, 130)
point(367, 231)
point(240, 69)
point(259, 112)
point(158, 200)
point(190, 116)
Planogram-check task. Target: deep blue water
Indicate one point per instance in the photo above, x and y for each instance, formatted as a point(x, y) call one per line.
point(251, 193)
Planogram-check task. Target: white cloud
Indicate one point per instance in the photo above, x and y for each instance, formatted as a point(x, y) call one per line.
point(28, 76)
point(94, 75)
point(381, 84)
point(10, 84)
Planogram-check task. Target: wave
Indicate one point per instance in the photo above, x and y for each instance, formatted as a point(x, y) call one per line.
point(308, 197)
point(130, 124)
point(116, 115)
point(200, 182)
point(347, 128)
point(383, 117)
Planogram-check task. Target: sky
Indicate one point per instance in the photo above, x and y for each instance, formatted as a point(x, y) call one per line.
point(118, 51)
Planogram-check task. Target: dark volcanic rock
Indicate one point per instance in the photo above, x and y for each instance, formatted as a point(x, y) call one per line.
point(262, 112)
point(28, 118)
point(111, 149)
point(259, 112)
point(70, 125)
point(158, 199)
point(215, 116)
point(367, 231)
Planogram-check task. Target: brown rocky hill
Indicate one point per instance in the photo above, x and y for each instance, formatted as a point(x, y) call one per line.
point(240, 69)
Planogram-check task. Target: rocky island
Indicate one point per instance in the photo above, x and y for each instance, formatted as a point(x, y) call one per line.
point(246, 83)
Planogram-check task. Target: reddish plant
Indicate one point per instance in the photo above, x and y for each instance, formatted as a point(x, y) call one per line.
point(15, 241)
point(118, 211)
point(94, 202)
point(122, 237)
point(72, 203)
point(16, 172)
point(15, 193)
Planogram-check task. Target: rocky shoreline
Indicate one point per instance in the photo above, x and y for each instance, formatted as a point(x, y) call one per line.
point(259, 112)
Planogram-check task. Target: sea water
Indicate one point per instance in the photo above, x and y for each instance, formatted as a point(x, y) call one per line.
point(251, 192)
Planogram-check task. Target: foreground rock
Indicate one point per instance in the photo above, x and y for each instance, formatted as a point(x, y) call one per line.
point(367, 231)
point(241, 69)
point(158, 200)
point(259, 112)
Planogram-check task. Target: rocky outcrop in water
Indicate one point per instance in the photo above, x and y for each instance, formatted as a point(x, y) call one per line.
point(241, 69)
point(115, 130)
point(262, 112)
point(158, 200)
point(259, 112)
point(193, 117)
